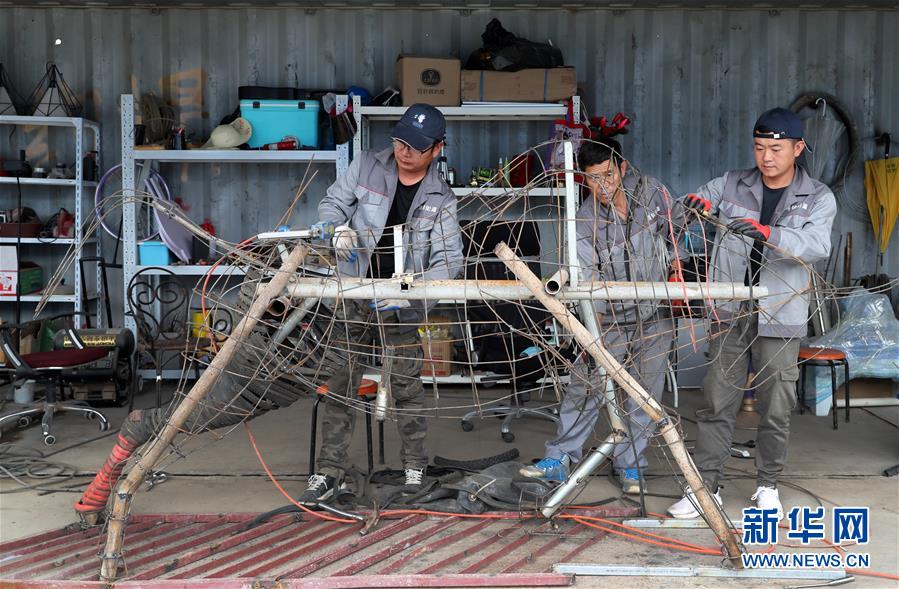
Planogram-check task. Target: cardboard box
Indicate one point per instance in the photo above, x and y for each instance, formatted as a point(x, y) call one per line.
point(431, 80)
point(27, 276)
point(533, 85)
point(438, 357)
point(9, 270)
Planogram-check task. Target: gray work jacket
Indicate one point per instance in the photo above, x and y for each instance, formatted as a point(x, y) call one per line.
point(800, 236)
point(637, 249)
point(362, 197)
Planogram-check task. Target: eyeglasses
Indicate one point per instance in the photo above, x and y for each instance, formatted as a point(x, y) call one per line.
point(401, 146)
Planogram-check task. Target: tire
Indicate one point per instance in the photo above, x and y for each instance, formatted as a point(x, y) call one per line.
point(508, 437)
point(23, 421)
point(49, 440)
point(810, 100)
point(467, 426)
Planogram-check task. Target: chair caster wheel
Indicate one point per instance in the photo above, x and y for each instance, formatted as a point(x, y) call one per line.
point(24, 422)
point(49, 440)
point(89, 416)
point(508, 437)
point(104, 425)
point(467, 426)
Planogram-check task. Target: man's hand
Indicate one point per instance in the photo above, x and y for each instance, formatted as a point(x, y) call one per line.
point(389, 304)
point(345, 243)
point(697, 203)
point(750, 228)
point(323, 230)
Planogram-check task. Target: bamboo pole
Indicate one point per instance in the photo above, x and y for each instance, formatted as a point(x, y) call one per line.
point(711, 511)
point(121, 505)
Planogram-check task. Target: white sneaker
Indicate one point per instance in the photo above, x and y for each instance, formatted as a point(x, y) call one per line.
point(688, 506)
point(768, 498)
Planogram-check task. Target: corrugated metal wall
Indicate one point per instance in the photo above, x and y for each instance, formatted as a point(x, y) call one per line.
point(693, 80)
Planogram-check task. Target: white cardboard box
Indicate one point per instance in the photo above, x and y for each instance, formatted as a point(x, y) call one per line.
point(9, 273)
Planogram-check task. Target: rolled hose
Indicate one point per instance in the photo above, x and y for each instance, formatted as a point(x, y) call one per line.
point(155, 185)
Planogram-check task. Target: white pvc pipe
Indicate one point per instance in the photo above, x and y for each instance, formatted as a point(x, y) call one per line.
point(510, 290)
point(557, 281)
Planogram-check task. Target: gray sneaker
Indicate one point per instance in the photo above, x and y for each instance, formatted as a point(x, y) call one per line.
point(319, 488)
point(414, 480)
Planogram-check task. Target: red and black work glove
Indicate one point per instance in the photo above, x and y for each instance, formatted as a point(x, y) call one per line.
point(697, 203)
point(751, 228)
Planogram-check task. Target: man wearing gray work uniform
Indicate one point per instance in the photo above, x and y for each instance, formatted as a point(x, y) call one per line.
point(381, 189)
point(778, 221)
point(622, 235)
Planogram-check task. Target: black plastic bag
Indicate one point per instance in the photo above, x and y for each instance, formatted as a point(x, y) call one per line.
point(503, 51)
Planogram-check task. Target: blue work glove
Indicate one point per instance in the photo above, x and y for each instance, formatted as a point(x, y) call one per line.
point(529, 352)
point(389, 304)
point(324, 229)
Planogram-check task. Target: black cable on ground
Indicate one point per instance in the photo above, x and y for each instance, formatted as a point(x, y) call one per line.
point(21, 467)
point(883, 419)
point(479, 464)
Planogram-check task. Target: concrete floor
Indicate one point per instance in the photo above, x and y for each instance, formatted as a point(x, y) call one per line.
point(842, 467)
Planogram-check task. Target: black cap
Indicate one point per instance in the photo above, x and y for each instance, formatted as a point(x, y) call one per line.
point(421, 127)
point(778, 123)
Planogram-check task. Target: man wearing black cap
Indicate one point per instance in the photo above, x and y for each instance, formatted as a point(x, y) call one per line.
point(399, 185)
point(778, 223)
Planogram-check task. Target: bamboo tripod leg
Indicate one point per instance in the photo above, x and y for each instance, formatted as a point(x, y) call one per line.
point(710, 509)
point(121, 505)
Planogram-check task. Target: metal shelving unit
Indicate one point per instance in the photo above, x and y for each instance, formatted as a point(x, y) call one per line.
point(79, 126)
point(234, 156)
point(46, 240)
point(473, 113)
point(190, 270)
point(46, 182)
point(503, 112)
point(340, 158)
point(478, 112)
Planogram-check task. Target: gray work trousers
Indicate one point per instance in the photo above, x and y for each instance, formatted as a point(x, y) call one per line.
point(774, 361)
point(643, 350)
point(362, 329)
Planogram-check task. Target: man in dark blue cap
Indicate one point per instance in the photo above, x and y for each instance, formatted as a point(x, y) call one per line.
point(778, 223)
point(399, 185)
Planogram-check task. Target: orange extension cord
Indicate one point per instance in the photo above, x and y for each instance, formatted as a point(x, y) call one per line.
point(633, 533)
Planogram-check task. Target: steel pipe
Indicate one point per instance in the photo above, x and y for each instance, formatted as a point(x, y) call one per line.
point(511, 290)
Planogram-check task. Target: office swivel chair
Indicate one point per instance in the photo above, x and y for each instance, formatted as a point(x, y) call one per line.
point(503, 331)
point(78, 357)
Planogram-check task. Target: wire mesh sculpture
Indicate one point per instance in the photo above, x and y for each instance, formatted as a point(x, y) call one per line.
point(52, 97)
point(294, 338)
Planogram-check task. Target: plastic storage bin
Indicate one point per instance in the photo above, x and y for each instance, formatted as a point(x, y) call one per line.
point(154, 253)
point(273, 120)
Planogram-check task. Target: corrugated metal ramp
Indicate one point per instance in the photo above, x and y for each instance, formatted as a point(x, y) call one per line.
point(295, 550)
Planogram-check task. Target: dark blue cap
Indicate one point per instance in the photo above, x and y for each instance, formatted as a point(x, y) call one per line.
point(778, 123)
point(421, 127)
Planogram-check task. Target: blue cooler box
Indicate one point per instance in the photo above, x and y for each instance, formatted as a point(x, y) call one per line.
point(273, 120)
